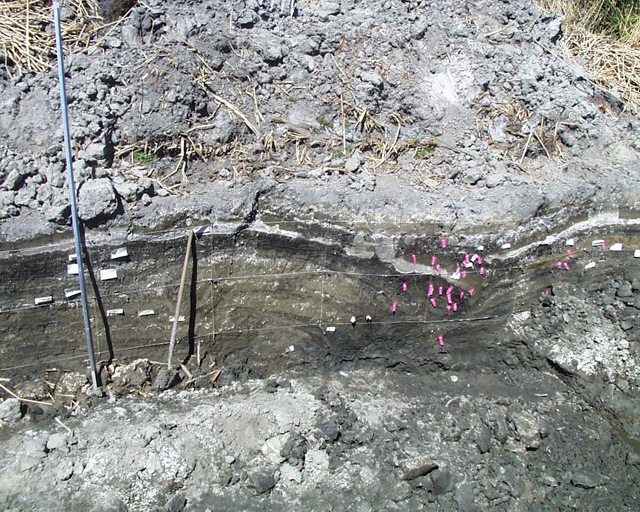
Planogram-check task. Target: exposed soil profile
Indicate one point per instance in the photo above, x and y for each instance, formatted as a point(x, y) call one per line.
point(413, 283)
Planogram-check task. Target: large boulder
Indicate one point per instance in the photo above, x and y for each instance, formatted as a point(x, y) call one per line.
point(97, 200)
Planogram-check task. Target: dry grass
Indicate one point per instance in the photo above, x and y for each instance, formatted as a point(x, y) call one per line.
point(608, 37)
point(26, 38)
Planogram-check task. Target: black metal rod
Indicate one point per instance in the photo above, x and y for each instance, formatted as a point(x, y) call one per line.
point(72, 195)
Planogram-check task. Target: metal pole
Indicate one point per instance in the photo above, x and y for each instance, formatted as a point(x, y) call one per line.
point(72, 195)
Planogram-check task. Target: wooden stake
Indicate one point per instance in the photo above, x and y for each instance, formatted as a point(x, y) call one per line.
point(179, 301)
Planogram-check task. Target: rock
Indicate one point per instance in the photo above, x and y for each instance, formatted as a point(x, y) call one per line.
point(372, 78)
point(633, 459)
point(464, 498)
point(56, 441)
point(97, 199)
point(295, 447)
point(11, 410)
point(14, 180)
point(128, 190)
point(36, 448)
point(72, 383)
point(58, 213)
point(261, 481)
point(132, 376)
point(352, 164)
point(317, 460)
point(28, 463)
point(329, 430)
point(290, 473)
point(176, 504)
point(94, 152)
point(272, 448)
point(64, 470)
point(326, 9)
point(443, 482)
point(247, 18)
point(588, 479)
point(625, 290)
point(272, 53)
point(166, 379)
point(528, 429)
point(417, 468)
point(483, 438)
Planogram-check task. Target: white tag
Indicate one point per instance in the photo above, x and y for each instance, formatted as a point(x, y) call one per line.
point(108, 274)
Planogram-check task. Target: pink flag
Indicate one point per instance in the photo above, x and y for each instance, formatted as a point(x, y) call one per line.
point(546, 292)
point(450, 290)
point(461, 294)
point(415, 260)
point(472, 291)
point(404, 287)
point(566, 266)
point(467, 258)
point(481, 271)
point(464, 274)
point(433, 260)
point(448, 308)
point(433, 301)
point(449, 300)
point(479, 260)
point(439, 269)
point(430, 292)
point(457, 270)
point(559, 264)
point(455, 306)
point(440, 290)
point(444, 243)
point(570, 253)
point(394, 307)
point(441, 341)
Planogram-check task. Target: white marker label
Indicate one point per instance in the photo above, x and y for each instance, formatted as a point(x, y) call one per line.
point(108, 274)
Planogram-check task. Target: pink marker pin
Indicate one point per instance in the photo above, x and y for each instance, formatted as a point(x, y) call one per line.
point(570, 253)
point(448, 309)
point(449, 299)
point(467, 258)
point(404, 287)
point(434, 303)
point(415, 260)
point(464, 274)
point(440, 290)
point(461, 294)
point(566, 266)
point(430, 292)
point(444, 243)
point(472, 291)
point(481, 271)
point(441, 341)
point(439, 269)
point(455, 306)
point(479, 260)
point(394, 306)
point(450, 290)
point(433, 260)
